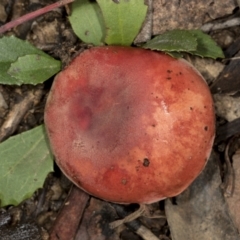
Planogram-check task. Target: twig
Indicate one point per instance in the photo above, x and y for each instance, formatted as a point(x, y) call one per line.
point(145, 233)
point(32, 15)
point(129, 218)
point(232, 58)
point(17, 113)
point(217, 26)
point(68, 219)
point(228, 176)
point(135, 225)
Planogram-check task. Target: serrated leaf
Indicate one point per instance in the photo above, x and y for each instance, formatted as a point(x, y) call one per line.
point(33, 69)
point(173, 41)
point(25, 162)
point(11, 48)
point(123, 20)
point(206, 46)
point(87, 21)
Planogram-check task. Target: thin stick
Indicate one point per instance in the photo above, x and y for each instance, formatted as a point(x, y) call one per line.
point(66, 224)
point(218, 26)
point(32, 15)
point(129, 218)
point(18, 111)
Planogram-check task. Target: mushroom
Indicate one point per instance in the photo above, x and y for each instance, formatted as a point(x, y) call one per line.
point(130, 125)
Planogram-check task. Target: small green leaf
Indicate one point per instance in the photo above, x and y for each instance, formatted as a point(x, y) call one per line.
point(25, 162)
point(173, 41)
point(87, 21)
point(34, 69)
point(11, 48)
point(191, 41)
point(123, 19)
point(206, 46)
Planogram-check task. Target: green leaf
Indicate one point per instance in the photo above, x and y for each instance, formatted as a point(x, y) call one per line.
point(87, 21)
point(206, 46)
point(123, 19)
point(25, 162)
point(11, 48)
point(34, 69)
point(173, 41)
point(191, 41)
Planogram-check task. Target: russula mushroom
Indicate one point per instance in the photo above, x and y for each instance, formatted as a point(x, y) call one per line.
point(130, 125)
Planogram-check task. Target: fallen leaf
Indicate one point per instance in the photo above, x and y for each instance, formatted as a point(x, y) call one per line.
point(25, 162)
point(201, 211)
point(234, 200)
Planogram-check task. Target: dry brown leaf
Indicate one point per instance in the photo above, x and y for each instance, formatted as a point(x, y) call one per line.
point(95, 222)
point(201, 211)
point(234, 201)
point(226, 81)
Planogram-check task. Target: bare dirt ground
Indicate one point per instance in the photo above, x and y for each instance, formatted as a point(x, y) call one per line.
point(209, 209)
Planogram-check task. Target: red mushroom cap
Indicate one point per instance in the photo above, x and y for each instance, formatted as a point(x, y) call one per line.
point(130, 125)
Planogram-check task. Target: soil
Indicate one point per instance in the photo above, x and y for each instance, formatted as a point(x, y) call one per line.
point(39, 216)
